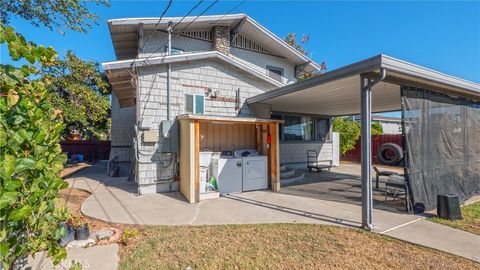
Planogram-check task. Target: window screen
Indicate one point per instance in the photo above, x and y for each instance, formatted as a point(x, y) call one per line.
point(194, 104)
point(199, 104)
point(189, 103)
point(175, 51)
point(275, 73)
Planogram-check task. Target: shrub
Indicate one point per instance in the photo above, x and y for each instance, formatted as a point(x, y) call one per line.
point(31, 157)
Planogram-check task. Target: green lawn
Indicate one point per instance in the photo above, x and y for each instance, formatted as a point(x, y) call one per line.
point(277, 246)
point(470, 221)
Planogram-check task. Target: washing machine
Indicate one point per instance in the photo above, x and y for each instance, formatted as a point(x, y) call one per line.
point(254, 169)
point(228, 172)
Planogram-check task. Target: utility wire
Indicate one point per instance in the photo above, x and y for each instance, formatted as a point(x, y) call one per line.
point(182, 30)
point(151, 33)
point(231, 10)
point(158, 22)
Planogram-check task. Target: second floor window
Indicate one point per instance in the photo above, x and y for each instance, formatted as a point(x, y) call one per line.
point(275, 73)
point(175, 51)
point(194, 104)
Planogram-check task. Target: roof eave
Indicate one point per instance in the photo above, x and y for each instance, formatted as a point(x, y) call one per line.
point(124, 64)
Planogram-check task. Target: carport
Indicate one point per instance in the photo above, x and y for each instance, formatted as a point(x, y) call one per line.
point(440, 118)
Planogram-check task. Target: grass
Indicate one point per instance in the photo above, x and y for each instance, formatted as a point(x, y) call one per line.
point(470, 221)
point(277, 246)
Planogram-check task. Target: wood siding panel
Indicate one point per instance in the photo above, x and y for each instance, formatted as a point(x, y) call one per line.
point(227, 136)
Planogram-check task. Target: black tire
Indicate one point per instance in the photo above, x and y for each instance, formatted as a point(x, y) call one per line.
point(394, 159)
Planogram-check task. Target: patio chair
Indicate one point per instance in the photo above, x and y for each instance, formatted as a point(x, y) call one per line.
point(382, 173)
point(396, 181)
point(314, 163)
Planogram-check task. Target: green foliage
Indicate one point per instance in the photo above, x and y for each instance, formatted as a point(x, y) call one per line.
point(80, 91)
point(377, 128)
point(31, 157)
point(127, 234)
point(349, 133)
point(66, 14)
point(76, 266)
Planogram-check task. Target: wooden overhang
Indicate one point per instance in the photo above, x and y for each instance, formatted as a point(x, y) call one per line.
point(123, 86)
point(192, 133)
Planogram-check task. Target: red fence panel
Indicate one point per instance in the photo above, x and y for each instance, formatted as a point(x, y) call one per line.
point(91, 150)
point(377, 140)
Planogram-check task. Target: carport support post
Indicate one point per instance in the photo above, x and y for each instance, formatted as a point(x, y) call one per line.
point(366, 110)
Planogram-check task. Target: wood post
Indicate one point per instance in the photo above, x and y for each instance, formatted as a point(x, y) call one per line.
point(196, 152)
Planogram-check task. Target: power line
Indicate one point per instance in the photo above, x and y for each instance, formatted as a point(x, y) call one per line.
point(231, 10)
point(183, 29)
point(188, 14)
point(154, 28)
point(158, 22)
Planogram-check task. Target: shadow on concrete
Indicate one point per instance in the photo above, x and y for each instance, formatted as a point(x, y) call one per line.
point(343, 222)
point(342, 184)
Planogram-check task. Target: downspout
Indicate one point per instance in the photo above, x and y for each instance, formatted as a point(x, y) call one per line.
point(169, 67)
point(366, 147)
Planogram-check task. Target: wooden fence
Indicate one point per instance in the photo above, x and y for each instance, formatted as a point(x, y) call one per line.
point(91, 150)
point(377, 141)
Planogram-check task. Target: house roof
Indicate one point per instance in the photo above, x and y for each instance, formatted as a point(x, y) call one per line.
point(124, 34)
point(120, 72)
point(159, 60)
point(338, 92)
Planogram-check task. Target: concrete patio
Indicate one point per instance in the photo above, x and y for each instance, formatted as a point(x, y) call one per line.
point(113, 200)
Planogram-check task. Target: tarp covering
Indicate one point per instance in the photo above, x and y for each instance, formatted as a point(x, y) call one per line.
point(442, 140)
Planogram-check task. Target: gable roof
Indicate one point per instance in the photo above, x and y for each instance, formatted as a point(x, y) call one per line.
point(119, 73)
point(124, 33)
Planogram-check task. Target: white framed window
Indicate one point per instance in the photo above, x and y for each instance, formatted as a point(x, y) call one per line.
point(194, 104)
point(275, 73)
point(175, 51)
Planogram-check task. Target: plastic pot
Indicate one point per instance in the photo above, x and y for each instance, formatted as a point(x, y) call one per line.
point(82, 232)
point(68, 236)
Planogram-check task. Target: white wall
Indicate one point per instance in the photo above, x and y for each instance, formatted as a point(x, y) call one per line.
point(391, 127)
point(296, 152)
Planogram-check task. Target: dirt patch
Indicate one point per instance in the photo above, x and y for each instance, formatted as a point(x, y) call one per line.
point(73, 198)
point(278, 246)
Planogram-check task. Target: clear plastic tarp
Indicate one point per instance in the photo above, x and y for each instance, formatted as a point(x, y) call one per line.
point(442, 140)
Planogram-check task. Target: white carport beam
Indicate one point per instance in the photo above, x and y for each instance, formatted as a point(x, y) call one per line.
point(366, 144)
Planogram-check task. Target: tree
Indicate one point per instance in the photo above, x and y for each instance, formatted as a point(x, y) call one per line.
point(80, 90)
point(377, 128)
point(66, 14)
point(349, 133)
point(31, 157)
point(30, 128)
point(291, 40)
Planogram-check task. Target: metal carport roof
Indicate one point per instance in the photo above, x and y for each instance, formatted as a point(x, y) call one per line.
point(371, 85)
point(338, 92)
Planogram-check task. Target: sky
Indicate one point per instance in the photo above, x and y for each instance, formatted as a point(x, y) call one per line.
point(442, 35)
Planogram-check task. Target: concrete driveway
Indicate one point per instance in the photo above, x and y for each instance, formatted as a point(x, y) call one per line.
point(113, 200)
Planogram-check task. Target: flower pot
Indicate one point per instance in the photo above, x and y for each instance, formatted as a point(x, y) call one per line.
point(68, 236)
point(82, 232)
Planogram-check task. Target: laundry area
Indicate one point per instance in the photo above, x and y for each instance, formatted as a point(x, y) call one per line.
point(225, 155)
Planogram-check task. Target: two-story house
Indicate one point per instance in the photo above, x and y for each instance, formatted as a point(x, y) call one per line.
point(207, 66)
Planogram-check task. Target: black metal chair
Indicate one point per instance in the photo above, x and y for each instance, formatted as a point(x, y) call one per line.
point(382, 173)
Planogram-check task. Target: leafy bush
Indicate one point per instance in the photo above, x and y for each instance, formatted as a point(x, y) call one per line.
point(31, 157)
point(377, 128)
point(126, 235)
point(349, 133)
